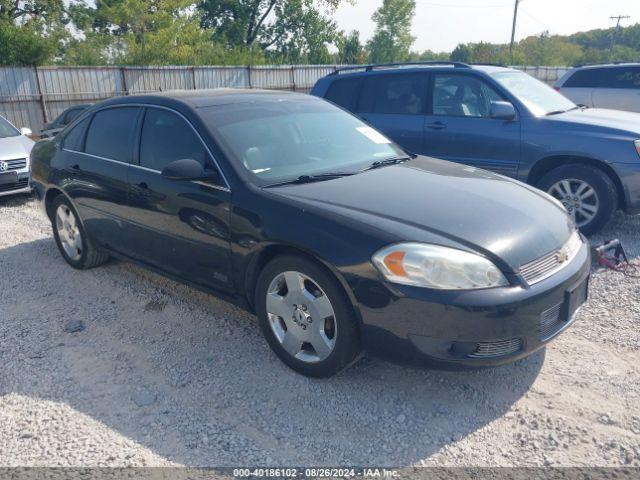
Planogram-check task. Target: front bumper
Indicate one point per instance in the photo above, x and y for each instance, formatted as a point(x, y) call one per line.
point(472, 328)
point(21, 186)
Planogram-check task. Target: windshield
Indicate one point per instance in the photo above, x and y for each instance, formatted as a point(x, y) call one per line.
point(8, 130)
point(282, 140)
point(538, 97)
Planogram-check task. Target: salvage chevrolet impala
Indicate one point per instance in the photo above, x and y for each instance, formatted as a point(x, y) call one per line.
point(335, 237)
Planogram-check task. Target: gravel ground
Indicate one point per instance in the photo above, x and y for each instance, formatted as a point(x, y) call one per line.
point(119, 367)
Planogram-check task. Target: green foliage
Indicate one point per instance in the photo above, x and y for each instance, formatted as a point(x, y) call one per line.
point(392, 39)
point(350, 49)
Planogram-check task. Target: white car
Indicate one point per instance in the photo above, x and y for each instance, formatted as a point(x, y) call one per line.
point(613, 86)
point(15, 147)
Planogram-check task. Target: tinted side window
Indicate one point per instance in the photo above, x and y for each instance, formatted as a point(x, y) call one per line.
point(621, 77)
point(344, 92)
point(111, 133)
point(462, 96)
point(167, 137)
point(74, 140)
point(587, 78)
point(402, 94)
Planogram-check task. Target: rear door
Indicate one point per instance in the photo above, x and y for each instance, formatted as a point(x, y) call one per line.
point(179, 226)
point(395, 105)
point(619, 88)
point(459, 127)
point(95, 160)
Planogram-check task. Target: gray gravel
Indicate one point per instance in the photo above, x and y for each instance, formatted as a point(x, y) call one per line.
point(118, 366)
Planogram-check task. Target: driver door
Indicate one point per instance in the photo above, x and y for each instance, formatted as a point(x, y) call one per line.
point(179, 226)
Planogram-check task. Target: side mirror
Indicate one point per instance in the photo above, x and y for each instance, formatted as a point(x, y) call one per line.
point(26, 131)
point(502, 111)
point(187, 169)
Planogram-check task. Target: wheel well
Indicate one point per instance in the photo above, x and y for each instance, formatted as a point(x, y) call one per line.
point(49, 197)
point(272, 251)
point(545, 165)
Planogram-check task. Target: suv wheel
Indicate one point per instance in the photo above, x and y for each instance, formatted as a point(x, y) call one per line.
point(305, 316)
point(74, 244)
point(587, 193)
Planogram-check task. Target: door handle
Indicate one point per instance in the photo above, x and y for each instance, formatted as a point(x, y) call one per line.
point(76, 167)
point(143, 185)
point(436, 125)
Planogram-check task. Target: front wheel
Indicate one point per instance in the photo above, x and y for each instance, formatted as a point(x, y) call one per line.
point(306, 317)
point(588, 194)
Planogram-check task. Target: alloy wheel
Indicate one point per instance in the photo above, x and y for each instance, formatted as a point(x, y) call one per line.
point(69, 232)
point(578, 197)
point(301, 317)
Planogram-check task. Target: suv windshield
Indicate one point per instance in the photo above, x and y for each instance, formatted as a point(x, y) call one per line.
point(8, 130)
point(278, 141)
point(539, 98)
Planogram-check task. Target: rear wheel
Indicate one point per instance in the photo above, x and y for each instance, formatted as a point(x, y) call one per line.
point(74, 245)
point(305, 316)
point(587, 193)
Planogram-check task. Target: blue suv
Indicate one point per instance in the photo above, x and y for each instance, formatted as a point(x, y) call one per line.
point(503, 120)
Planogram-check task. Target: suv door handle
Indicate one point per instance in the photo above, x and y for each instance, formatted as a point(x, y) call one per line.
point(143, 186)
point(76, 167)
point(436, 125)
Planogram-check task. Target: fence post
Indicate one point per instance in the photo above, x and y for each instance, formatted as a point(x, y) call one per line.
point(293, 78)
point(43, 106)
point(123, 79)
point(249, 75)
point(193, 77)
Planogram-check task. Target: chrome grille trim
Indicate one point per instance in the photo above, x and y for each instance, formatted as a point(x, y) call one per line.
point(499, 348)
point(550, 322)
point(15, 164)
point(544, 267)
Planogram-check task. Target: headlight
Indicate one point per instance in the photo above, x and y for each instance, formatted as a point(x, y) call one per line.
point(433, 266)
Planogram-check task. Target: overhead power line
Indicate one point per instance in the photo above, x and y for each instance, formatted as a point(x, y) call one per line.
point(618, 19)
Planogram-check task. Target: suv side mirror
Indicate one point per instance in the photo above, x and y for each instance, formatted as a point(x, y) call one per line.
point(187, 169)
point(26, 131)
point(502, 111)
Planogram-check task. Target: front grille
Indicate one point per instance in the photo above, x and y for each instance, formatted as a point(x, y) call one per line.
point(550, 322)
point(546, 266)
point(499, 348)
point(17, 164)
point(15, 186)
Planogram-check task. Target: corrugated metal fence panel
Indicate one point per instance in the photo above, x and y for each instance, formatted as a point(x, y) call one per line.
point(19, 97)
point(68, 86)
point(154, 79)
point(220, 77)
point(306, 77)
point(545, 74)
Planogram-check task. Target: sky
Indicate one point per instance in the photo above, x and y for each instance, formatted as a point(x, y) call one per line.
point(440, 25)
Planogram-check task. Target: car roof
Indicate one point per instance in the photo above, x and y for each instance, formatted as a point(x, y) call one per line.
point(206, 97)
point(607, 65)
point(417, 67)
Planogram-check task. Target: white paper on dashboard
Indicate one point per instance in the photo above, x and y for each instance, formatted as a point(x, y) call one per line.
point(371, 134)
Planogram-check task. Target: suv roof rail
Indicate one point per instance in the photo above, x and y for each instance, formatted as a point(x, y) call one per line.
point(370, 67)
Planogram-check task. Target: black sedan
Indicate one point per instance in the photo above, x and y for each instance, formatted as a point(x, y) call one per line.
point(336, 238)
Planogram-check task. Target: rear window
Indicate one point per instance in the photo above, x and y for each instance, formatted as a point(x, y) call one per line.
point(612, 77)
point(344, 92)
point(111, 133)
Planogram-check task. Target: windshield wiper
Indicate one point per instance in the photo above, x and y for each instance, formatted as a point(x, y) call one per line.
point(312, 178)
point(387, 161)
point(556, 112)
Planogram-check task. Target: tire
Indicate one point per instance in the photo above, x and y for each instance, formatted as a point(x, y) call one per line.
point(600, 201)
point(73, 237)
point(325, 347)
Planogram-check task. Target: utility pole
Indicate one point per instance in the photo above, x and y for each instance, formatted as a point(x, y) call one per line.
point(615, 33)
point(513, 29)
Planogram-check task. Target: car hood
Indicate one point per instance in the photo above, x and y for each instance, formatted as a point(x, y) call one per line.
point(15, 147)
point(600, 117)
point(473, 208)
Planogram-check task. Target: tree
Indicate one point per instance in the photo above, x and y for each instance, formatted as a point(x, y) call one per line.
point(31, 32)
point(392, 38)
point(462, 53)
point(350, 50)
